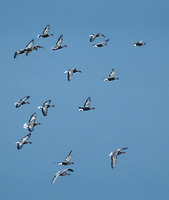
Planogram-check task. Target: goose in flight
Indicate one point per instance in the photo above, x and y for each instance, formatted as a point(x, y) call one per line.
point(86, 106)
point(28, 49)
point(45, 33)
point(101, 44)
point(58, 44)
point(21, 51)
point(23, 141)
point(66, 161)
point(115, 154)
point(111, 76)
point(61, 173)
point(70, 73)
point(45, 107)
point(94, 36)
point(30, 126)
point(139, 43)
point(22, 102)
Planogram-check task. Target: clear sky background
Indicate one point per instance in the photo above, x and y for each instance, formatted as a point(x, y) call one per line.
point(132, 112)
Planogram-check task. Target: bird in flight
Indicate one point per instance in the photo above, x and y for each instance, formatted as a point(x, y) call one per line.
point(101, 44)
point(58, 44)
point(70, 73)
point(114, 155)
point(45, 33)
point(94, 36)
point(86, 106)
point(139, 43)
point(111, 76)
point(45, 107)
point(67, 159)
point(22, 101)
point(61, 173)
point(30, 126)
point(23, 141)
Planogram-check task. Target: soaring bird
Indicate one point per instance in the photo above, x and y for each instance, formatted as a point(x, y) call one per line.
point(58, 44)
point(45, 33)
point(86, 106)
point(28, 49)
point(22, 102)
point(66, 161)
point(45, 107)
point(101, 44)
point(94, 36)
point(30, 126)
point(115, 154)
point(139, 43)
point(111, 76)
point(61, 173)
point(21, 51)
point(70, 73)
point(23, 141)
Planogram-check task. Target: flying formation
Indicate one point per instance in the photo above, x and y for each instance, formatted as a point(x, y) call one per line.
point(47, 104)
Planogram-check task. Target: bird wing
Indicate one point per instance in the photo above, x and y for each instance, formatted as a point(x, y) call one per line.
point(140, 41)
point(68, 157)
point(25, 138)
point(56, 176)
point(30, 44)
point(46, 30)
point(113, 160)
point(69, 75)
point(58, 43)
point(92, 38)
point(87, 103)
point(24, 98)
point(32, 118)
point(47, 103)
point(111, 75)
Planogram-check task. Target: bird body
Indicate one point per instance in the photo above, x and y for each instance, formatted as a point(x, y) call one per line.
point(61, 173)
point(139, 43)
point(70, 73)
point(58, 44)
point(22, 102)
point(45, 107)
point(30, 126)
point(115, 154)
point(86, 106)
point(45, 33)
point(111, 76)
point(23, 141)
point(101, 44)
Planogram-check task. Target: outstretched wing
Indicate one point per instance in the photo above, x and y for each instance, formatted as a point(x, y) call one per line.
point(92, 38)
point(30, 44)
point(55, 177)
point(112, 74)
point(24, 98)
point(113, 160)
point(58, 43)
point(26, 138)
point(87, 103)
point(68, 157)
point(32, 118)
point(46, 30)
point(69, 75)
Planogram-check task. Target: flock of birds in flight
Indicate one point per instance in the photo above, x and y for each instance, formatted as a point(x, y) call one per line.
point(44, 108)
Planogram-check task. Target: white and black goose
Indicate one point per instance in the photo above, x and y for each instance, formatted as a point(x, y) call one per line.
point(70, 73)
point(86, 106)
point(61, 173)
point(22, 101)
point(58, 44)
point(45, 33)
point(111, 76)
point(67, 159)
point(23, 141)
point(139, 43)
point(101, 44)
point(45, 107)
point(30, 126)
point(115, 154)
point(94, 36)
point(21, 51)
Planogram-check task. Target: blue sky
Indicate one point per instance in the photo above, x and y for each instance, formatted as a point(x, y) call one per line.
point(131, 112)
